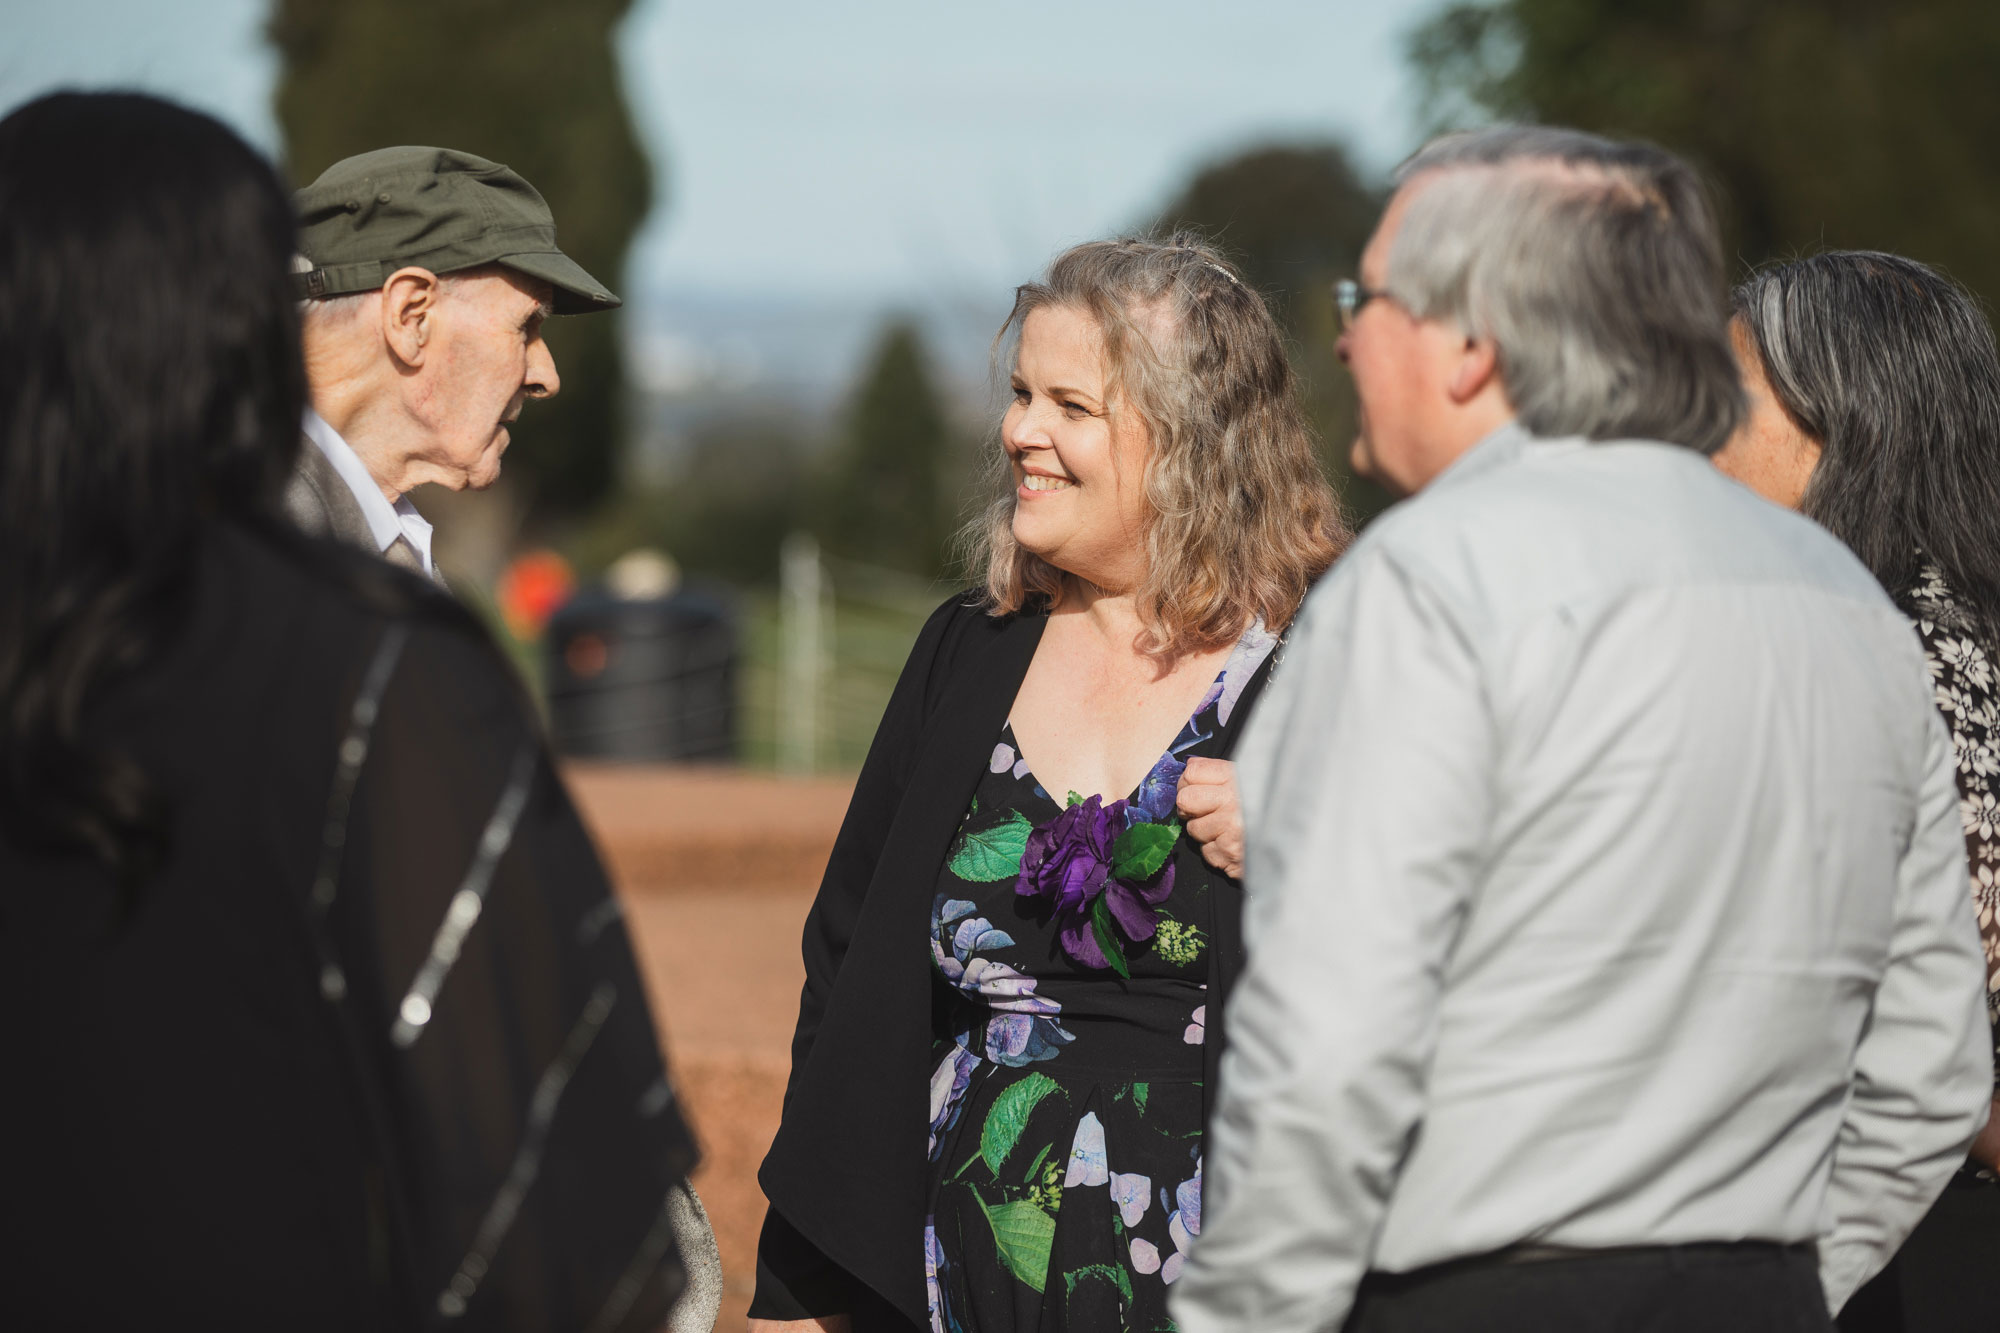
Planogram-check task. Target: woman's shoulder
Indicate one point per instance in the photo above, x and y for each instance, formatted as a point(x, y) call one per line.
point(963, 638)
point(343, 603)
point(961, 626)
point(330, 580)
point(1930, 600)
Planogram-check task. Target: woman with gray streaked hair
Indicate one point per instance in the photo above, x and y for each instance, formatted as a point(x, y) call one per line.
point(1875, 410)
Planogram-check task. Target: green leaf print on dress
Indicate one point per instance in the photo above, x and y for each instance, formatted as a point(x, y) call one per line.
point(1142, 849)
point(1067, 1090)
point(1107, 943)
point(1009, 1116)
point(1103, 1272)
point(993, 854)
point(1025, 1235)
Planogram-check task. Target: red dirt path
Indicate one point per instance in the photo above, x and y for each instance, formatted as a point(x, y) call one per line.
point(716, 868)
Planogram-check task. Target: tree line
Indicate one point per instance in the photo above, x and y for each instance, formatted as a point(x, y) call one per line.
point(1821, 123)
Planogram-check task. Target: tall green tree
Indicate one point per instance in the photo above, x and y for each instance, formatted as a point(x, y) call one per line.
point(881, 499)
point(1295, 219)
point(1827, 123)
point(525, 82)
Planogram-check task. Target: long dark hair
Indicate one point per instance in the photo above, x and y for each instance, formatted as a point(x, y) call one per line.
point(1890, 366)
point(152, 386)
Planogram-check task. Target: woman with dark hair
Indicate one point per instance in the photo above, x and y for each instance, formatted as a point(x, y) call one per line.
point(1029, 925)
point(1875, 410)
point(319, 1013)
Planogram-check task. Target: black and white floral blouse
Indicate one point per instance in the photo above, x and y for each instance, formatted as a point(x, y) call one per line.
point(1967, 688)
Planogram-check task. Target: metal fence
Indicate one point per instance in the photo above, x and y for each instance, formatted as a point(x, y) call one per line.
point(822, 657)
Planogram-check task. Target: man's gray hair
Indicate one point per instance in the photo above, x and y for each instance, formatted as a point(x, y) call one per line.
point(1594, 266)
point(333, 311)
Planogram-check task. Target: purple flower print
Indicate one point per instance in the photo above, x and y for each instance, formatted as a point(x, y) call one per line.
point(934, 1275)
point(1067, 865)
point(1197, 1028)
point(1145, 1255)
point(1006, 757)
point(1188, 1196)
point(948, 1085)
point(1251, 650)
point(1133, 1195)
point(1133, 907)
point(1024, 1027)
point(1018, 1039)
point(977, 934)
point(1161, 789)
point(1184, 1224)
point(1068, 859)
point(1086, 1154)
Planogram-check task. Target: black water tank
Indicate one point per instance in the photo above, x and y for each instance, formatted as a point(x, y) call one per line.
point(643, 678)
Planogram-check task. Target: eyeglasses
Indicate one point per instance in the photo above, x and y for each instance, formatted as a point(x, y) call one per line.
point(1350, 296)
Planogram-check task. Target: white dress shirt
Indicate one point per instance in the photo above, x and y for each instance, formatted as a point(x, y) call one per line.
point(387, 521)
point(1605, 887)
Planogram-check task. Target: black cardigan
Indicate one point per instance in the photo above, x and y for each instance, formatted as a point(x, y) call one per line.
point(845, 1176)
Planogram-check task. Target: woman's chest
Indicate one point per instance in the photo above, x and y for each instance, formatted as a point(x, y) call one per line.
point(1095, 725)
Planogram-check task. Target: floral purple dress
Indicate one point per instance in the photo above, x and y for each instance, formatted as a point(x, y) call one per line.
point(1066, 1102)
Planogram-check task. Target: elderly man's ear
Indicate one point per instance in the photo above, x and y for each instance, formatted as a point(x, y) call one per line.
point(1478, 367)
point(409, 299)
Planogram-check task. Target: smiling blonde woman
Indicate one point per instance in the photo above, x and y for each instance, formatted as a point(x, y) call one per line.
point(1031, 909)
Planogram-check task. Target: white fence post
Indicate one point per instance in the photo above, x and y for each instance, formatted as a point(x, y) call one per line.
point(801, 610)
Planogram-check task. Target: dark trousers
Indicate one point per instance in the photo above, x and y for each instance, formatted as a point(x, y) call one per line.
point(1742, 1288)
point(1947, 1277)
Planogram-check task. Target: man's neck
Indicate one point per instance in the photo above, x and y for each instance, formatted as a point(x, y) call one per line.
point(347, 409)
point(1462, 432)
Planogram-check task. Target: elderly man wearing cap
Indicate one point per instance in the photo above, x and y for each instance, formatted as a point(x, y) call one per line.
point(427, 276)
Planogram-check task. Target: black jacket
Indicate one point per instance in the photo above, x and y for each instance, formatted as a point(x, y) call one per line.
point(216, 1117)
point(846, 1174)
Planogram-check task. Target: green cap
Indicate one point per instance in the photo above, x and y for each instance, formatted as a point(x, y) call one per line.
point(367, 216)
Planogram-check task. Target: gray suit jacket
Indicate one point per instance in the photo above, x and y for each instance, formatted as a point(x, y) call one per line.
point(319, 501)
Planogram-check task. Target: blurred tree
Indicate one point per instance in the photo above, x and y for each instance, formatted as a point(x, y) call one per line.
point(1295, 219)
point(727, 510)
point(530, 84)
point(882, 500)
point(1827, 123)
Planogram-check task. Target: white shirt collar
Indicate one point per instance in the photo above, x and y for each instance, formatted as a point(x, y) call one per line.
point(385, 520)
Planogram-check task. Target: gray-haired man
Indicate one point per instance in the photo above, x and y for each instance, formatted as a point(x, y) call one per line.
point(428, 275)
point(1609, 947)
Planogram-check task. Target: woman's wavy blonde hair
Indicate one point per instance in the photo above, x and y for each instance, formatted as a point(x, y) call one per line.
point(1241, 518)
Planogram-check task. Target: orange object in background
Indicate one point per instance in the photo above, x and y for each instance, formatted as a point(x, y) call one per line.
point(532, 588)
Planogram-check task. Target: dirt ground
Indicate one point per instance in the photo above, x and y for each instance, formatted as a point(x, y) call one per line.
point(716, 869)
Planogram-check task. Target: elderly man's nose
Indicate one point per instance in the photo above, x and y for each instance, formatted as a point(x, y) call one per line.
point(543, 382)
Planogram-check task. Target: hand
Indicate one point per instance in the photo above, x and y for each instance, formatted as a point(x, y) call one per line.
point(1207, 798)
point(1986, 1148)
point(826, 1323)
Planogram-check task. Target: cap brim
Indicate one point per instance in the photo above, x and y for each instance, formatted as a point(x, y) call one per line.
point(577, 293)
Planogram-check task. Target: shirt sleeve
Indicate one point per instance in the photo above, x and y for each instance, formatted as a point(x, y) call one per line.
point(1367, 790)
point(1923, 1071)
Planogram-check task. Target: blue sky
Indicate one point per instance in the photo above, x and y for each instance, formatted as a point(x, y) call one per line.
point(892, 147)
